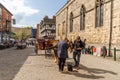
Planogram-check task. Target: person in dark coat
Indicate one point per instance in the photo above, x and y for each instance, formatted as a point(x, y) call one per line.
point(62, 53)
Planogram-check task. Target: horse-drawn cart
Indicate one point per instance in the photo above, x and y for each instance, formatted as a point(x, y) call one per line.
point(46, 45)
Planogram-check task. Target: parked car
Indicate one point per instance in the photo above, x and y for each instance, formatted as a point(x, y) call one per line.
point(21, 45)
point(2, 46)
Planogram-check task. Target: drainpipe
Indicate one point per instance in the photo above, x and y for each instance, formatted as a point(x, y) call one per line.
point(111, 24)
point(66, 22)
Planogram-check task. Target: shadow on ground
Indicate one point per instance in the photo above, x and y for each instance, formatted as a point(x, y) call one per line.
point(46, 55)
point(11, 60)
point(92, 73)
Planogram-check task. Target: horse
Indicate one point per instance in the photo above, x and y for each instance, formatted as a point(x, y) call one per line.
point(71, 46)
point(53, 45)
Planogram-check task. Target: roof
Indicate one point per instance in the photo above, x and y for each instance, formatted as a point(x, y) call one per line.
point(6, 9)
point(65, 6)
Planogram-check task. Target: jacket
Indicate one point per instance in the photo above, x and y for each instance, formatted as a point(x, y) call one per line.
point(78, 45)
point(62, 49)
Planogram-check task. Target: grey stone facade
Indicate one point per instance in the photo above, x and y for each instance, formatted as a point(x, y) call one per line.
point(97, 36)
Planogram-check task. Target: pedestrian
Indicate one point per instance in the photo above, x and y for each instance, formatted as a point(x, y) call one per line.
point(62, 53)
point(84, 48)
point(78, 46)
point(36, 47)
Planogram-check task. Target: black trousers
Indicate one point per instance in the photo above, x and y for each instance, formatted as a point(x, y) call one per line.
point(61, 63)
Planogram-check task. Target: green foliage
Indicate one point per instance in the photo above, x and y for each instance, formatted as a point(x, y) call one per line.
point(13, 35)
point(29, 27)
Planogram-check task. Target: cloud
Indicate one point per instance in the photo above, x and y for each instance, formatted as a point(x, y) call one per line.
point(19, 17)
point(19, 9)
point(18, 6)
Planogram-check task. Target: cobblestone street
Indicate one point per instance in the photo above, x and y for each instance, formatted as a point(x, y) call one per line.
point(25, 65)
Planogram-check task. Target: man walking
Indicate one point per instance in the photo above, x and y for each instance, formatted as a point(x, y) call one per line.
point(78, 46)
point(62, 53)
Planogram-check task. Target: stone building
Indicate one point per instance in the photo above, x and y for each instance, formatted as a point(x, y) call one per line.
point(38, 34)
point(98, 21)
point(47, 27)
point(5, 23)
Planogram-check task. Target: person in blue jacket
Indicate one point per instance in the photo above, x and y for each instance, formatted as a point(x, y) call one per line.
point(62, 53)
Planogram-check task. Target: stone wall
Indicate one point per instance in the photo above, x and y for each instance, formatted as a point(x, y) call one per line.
point(21, 31)
point(95, 36)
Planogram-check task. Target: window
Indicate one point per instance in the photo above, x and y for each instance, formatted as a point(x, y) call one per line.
point(50, 25)
point(71, 22)
point(64, 28)
point(0, 11)
point(97, 18)
point(58, 29)
point(7, 16)
point(8, 25)
point(82, 17)
point(99, 13)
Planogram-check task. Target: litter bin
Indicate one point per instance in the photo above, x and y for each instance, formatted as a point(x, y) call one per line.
point(70, 67)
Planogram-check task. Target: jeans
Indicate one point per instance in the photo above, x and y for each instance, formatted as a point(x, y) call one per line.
point(61, 63)
point(83, 51)
point(76, 57)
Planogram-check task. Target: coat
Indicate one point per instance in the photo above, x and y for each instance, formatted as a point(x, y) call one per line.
point(62, 49)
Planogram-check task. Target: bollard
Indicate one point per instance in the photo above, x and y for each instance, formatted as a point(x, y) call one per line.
point(114, 54)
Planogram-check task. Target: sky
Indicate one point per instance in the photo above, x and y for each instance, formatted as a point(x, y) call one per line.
point(31, 12)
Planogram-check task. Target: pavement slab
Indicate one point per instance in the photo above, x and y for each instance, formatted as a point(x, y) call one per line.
point(92, 68)
point(26, 65)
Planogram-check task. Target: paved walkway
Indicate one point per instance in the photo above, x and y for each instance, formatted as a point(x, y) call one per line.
point(92, 68)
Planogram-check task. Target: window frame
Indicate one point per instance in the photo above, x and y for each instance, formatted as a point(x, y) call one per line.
point(82, 17)
point(64, 28)
point(99, 13)
point(71, 22)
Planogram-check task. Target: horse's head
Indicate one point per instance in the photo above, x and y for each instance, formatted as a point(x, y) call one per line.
point(70, 43)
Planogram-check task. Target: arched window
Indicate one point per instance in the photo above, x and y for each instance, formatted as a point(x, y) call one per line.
point(58, 29)
point(82, 17)
point(71, 22)
point(99, 13)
